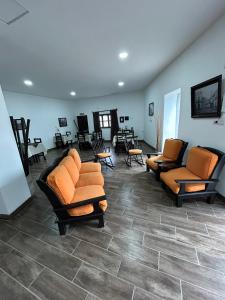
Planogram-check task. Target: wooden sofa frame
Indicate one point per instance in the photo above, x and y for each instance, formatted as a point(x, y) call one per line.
point(210, 183)
point(63, 218)
point(176, 163)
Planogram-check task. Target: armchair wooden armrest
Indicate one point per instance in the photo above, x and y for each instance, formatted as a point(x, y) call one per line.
point(153, 154)
point(183, 182)
point(165, 161)
point(95, 200)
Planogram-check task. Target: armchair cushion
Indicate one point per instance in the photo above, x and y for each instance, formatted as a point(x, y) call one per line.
point(71, 167)
point(172, 148)
point(181, 173)
point(87, 192)
point(93, 178)
point(62, 184)
point(89, 167)
point(201, 162)
point(151, 162)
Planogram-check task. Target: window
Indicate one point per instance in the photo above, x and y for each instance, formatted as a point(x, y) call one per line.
point(105, 121)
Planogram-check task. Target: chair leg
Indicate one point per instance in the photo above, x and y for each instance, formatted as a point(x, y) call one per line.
point(101, 221)
point(210, 200)
point(62, 228)
point(179, 202)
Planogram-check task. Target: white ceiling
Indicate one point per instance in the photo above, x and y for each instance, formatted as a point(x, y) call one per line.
point(64, 45)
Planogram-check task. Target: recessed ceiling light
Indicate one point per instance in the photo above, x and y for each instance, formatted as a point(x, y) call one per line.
point(28, 82)
point(72, 93)
point(121, 83)
point(123, 55)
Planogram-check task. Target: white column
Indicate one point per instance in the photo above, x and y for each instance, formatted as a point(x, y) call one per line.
point(14, 190)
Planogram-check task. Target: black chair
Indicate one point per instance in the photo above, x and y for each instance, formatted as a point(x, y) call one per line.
point(41, 154)
point(58, 140)
point(102, 153)
point(69, 141)
point(134, 151)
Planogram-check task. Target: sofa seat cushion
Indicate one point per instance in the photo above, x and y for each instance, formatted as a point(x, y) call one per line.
point(201, 162)
point(93, 178)
point(103, 155)
point(172, 148)
point(62, 184)
point(181, 173)
point(84, 193)
point(71, 167)
point(151, 161)
point(88, 167)
point(135, 151)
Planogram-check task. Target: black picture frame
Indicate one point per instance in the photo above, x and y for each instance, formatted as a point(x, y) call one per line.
point(206, 98)
point(126, 118)
point(121, 119)
point(62, 122)
point(151, 109)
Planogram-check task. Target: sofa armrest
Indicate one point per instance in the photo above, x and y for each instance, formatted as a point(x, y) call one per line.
point(95, 200)
point(153, 154)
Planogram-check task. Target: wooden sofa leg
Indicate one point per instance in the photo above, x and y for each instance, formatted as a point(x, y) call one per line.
point(210, 200)
point(179, 202)
point(147, 168)
point(62, 228)
point(101, 221)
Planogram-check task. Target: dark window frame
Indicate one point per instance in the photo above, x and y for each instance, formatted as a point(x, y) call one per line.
point(101, 121)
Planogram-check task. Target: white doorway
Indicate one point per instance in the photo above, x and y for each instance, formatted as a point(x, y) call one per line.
point(171, 115)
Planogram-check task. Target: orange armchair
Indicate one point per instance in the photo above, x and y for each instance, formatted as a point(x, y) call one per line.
point(173, 152)
point(198, 178)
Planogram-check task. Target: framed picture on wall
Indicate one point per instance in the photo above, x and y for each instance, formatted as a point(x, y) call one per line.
point(151, 109)
point(62, 122)
point(121, 119)
point(206, 98)
point(127, 118)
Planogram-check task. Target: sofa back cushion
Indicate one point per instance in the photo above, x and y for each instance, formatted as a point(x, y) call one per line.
point(172, 148)
point(201, 162)
point(76, 157)
point(71, 167)
point(61, 183)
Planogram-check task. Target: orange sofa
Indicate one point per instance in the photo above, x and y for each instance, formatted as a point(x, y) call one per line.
point(198, 178)
point(75, 189)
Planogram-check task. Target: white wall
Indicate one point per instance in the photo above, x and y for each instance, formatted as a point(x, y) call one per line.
point(128, 104)
point(203, 60)
point(14, 189)
point(43, 113)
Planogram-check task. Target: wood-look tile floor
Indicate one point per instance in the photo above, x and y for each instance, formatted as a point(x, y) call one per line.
point(148, 249)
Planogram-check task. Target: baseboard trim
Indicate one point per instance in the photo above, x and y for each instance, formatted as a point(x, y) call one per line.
point(149, 145)
point(24, 204)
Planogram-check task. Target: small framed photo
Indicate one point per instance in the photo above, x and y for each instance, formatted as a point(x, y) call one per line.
point(151, 109)
point(62, 122)
point(121, 119)
point(127, 118)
